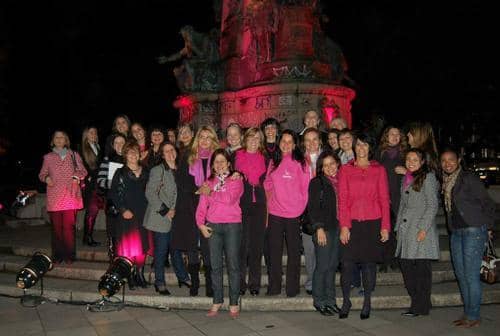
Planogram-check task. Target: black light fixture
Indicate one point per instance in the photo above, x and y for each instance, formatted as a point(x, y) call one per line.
point(111, 282)
point(30, 274)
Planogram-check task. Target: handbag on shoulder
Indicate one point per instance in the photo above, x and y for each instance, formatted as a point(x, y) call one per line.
point(490, 266)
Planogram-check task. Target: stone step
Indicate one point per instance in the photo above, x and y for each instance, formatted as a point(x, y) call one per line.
point(83, 270)
point(384, 297)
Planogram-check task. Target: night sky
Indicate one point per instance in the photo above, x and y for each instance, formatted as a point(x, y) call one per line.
point(76, 62)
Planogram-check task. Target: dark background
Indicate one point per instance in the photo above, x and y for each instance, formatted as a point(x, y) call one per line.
point(65, 64)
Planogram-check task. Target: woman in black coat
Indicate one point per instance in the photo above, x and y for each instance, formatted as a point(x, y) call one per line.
point(322, 209)
point(128, 195)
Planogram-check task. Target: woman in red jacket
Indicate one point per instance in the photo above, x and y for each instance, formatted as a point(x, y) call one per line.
point(364, 220)
point(62, 171)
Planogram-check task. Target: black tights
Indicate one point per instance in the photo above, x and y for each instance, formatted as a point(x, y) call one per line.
point(369, 278)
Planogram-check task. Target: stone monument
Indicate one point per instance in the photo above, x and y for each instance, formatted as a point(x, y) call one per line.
point(270, 58)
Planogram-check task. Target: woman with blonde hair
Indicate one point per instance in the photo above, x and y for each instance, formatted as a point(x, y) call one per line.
point(338, 123)
point(62, 170)
point(191, 175)
point(94, 201)
point(251, 162)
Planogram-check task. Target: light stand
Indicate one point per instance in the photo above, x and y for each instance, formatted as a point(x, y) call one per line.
point(32, 301)
point(105, 304)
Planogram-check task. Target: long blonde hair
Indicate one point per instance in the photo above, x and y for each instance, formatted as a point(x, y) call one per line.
point(193, 155)
point(88, 154)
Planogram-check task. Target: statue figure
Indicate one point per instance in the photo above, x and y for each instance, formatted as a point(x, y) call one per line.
point(262, 20)
point(200, 55)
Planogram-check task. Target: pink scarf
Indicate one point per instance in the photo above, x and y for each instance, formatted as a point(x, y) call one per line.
point(252, 165)
point(196, 169)
point(408, 179)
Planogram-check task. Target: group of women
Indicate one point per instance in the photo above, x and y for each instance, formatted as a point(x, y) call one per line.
point(197, 199)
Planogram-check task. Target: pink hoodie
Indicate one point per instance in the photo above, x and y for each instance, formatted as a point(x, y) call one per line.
point(287, 188)
point(221, 206)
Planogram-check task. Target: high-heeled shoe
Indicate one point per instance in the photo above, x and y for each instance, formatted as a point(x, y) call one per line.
point(344, 311)
point(184, 283)
point(365, 311)
point(234, 311)
point(162, 290)
point(214, 311)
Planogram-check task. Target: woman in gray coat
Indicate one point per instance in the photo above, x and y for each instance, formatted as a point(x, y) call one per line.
point(418, 240)
point(161, 193)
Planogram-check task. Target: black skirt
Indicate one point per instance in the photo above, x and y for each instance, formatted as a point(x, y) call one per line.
point(364, 246)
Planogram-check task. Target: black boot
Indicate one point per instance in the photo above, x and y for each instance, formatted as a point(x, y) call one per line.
point(88, 231)
point(140, 279)
point(365, 311)
point(194, 273)
point(209, 291)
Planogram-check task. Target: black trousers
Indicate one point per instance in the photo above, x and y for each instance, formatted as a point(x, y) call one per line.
point(252, 245)
point(284, 228)
point(417, 275)
point(390, 245)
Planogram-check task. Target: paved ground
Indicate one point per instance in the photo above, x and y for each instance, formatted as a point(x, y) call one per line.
point(68, 320)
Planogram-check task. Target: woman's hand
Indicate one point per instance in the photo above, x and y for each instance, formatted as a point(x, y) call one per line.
point(127, 214)
point(321, 236)
point(205, 231)
point(204, 190)
point(400, 170)
point(421, 235)
point(345, 235)
point(384, 235)
point(49, 181)
point(170, 214)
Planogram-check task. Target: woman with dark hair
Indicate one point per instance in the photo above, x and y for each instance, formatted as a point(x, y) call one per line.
point(62, 170)
point(93, 201)
point(286, 186)
point(157, 136)
point(347, 140)
point(390, 154)
point(121, 125)
point(421, 136)
point(193, 171)
point(322, 209)
point(333, 140)
point(161, 193)
point(270, 128)
point(471, 213)
point(127, 194)
point(364, 221)
point(139, 134)
point(250, 162)
point(218, 217)
point(418, 239)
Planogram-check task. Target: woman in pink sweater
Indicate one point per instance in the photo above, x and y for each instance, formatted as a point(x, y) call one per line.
point(62, 171)
point(364, 220)
point(218, 217)
point(286, 185)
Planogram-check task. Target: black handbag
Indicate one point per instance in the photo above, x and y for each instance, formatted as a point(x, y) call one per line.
point(111, 209)
point(305, 220)
point(490, 266)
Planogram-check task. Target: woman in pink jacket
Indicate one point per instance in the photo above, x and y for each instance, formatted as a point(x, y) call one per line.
point(62, 171)
point(218, 217)
point(364, 220)
point(287, 186)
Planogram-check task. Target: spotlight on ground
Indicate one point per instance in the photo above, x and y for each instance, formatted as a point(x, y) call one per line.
point(111, 283)
point(30, 274)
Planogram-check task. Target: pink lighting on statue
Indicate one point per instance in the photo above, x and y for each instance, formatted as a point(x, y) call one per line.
point(329, 113)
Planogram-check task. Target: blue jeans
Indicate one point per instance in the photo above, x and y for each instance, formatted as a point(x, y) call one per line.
point(327, 260)
point(225, 238)
point(467, 248)
point(161, 246)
